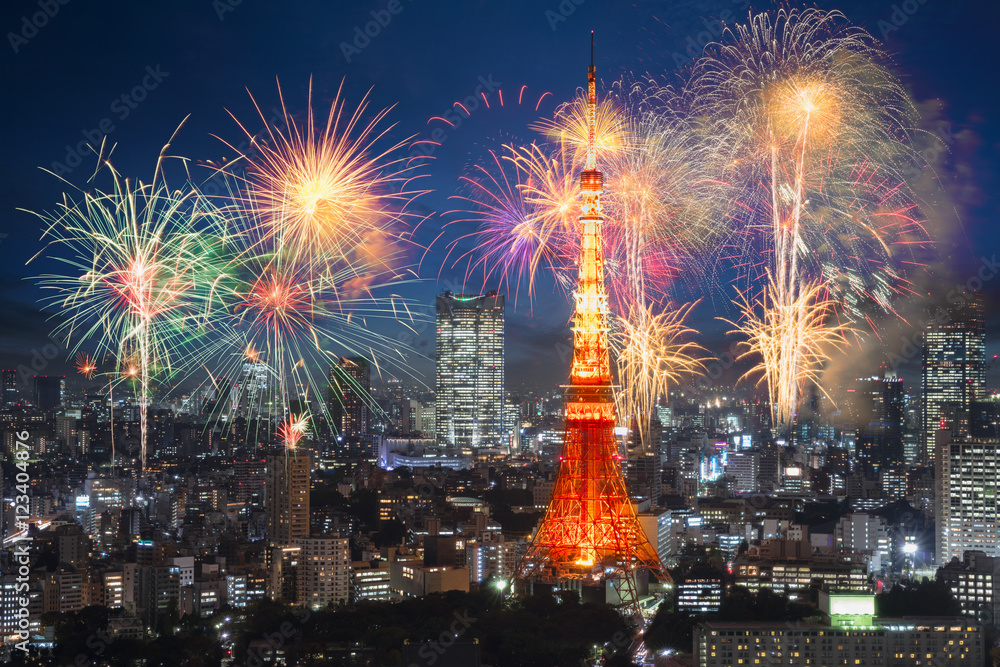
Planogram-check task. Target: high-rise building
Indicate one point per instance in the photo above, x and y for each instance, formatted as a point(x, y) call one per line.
point(967, 509)
point(349, 395)
point(878, 418)
point(8, 387)
point(324, 574)
point(50, 392)
point(954, 369)
point(470, 370)
point(287, 498)
point(251, 396)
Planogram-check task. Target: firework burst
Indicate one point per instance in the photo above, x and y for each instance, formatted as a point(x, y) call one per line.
point(136, 260)
point(85, 366)
point(813, 132)
point(327, 192)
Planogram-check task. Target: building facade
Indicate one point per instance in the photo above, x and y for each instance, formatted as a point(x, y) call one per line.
point(469, 399)
point(287, 497)
point(324, 575)
point(954, 370)
point(349, 396)
point(967, 508)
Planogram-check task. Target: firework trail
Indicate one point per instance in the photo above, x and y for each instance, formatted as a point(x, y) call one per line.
point(813, 131)
point(652, 351)
point(790, 341)
point(523, 207)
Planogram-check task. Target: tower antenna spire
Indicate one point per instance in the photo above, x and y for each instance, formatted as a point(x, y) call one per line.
point(590, 536)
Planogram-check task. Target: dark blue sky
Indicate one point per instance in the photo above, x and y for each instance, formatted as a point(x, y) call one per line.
point(199, 58)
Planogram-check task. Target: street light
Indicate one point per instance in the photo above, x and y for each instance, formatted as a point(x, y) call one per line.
point(501, 584)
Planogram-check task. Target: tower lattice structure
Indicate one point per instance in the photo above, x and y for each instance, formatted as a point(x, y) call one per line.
point(590, 532)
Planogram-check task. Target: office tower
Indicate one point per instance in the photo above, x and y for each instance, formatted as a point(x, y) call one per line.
point(984, 418)
point(470, 370)
point(349, 395)
point(967, 508)
point(324, 574)
point(50, 392)
point(252, 398)
point(954, 370)
point(878, 419)
point(287, 497)
point(8, 387)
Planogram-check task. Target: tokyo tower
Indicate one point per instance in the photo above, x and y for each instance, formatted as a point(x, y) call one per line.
point(590, 539)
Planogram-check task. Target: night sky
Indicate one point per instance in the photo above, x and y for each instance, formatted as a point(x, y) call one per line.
point(65, 82)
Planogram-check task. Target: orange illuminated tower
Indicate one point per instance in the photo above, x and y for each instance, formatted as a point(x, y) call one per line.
point(590, 538)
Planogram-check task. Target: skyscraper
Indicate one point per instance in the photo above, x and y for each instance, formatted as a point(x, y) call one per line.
point(954, 369)
point(50, 391)
point(470, 370)
point(878, 417)
point(349, 396)
point(8, 387)
point(286, 493)
point(967, 508)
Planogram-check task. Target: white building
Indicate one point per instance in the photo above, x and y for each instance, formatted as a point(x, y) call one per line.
point(865, 534)
point(324, 575)
point(968, 507)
